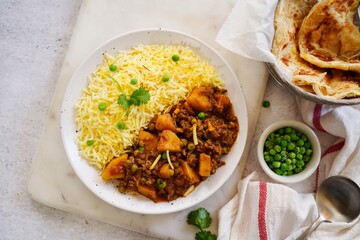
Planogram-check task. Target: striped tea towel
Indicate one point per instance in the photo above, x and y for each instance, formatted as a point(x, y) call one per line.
point(272, 211)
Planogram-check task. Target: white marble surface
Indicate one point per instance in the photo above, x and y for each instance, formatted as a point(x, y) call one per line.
point(35, 36)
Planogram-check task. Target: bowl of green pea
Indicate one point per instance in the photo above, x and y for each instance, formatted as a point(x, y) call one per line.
point(288, 151)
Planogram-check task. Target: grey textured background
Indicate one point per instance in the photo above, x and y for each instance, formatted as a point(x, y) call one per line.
point(34, 36)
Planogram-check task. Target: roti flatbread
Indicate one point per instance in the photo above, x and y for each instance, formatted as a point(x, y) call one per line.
point(328, 37)
point(335, 84)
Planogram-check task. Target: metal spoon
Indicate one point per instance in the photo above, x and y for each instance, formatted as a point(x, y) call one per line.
point(338, 200)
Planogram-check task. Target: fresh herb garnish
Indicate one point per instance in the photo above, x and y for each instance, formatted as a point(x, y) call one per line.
point(201, 218)
point(138, 97)
point(205, 235)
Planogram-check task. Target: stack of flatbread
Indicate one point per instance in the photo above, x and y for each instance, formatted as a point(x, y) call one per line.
point(318, 42)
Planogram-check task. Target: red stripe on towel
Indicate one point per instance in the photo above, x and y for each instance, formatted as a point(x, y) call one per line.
point(317, 179)
point(262, 211)
point(316, 118)
point(334, 148)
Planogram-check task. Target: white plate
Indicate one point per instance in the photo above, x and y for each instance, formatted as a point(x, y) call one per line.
point(90, 176)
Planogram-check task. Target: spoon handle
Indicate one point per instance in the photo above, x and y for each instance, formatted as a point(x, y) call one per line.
point(310, 229)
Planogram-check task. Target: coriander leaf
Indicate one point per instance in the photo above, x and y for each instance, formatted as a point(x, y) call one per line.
point(200, 218)
point(205, 235)
point(140, 96)
point(123, 101)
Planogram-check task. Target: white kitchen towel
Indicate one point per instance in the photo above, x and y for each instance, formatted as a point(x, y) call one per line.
point(272, 211)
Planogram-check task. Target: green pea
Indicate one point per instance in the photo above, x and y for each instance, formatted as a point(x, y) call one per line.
point(268, 144)
point(283, 153)
point(276, 164)
point(300, 142)
point(300, 163)
point(287, 138)
point(288, 130)
point(133, 81)
point(161, 183)
point(283, 143)
point(296, 150)
point(134, 167)
point(201, 115)
point(302, 150)
point(89, 142)
point(141, 149)
point(191, 146)
point(277, 157)
point(288, 161)
point(165, 78)
point(293, 136)
point(120, 126)
point(281, 131)
point(306, 158)
point(272, 152)
point(299, 156)
point(175, 58)
point(307, 145)
point(102, 106)
point(267, 158)
point(304, 137)
point(112, 67)
point(271, 136)
point(277, 140)
point(266, 104)
point(128, 163)
point(292, 155)
point(291, 146)
point(278, 171)
point(164, 155)
point(284, 166)
point(308, 152)
point(277, 148)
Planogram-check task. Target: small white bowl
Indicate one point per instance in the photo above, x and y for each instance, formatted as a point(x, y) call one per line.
point(310, 167)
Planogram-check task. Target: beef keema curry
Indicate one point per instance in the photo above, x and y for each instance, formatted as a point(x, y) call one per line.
point(179, 149)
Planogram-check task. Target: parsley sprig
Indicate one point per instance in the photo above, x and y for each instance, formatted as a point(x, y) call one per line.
point(201, 218)
point(137, 97)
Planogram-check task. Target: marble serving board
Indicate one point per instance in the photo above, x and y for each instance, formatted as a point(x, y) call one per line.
point(52, 181)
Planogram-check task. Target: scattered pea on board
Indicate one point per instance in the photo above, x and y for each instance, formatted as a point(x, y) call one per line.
point(287, 151)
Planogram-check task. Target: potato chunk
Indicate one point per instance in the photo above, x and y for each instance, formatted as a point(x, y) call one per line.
point(169, 141)
point(115, 168)
point(223, 105)
point(204, 165)
point(166, 122)
point(166, 171)
point(199, 99)
point(149, 140)
point(190, 173)
point(147, 192)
